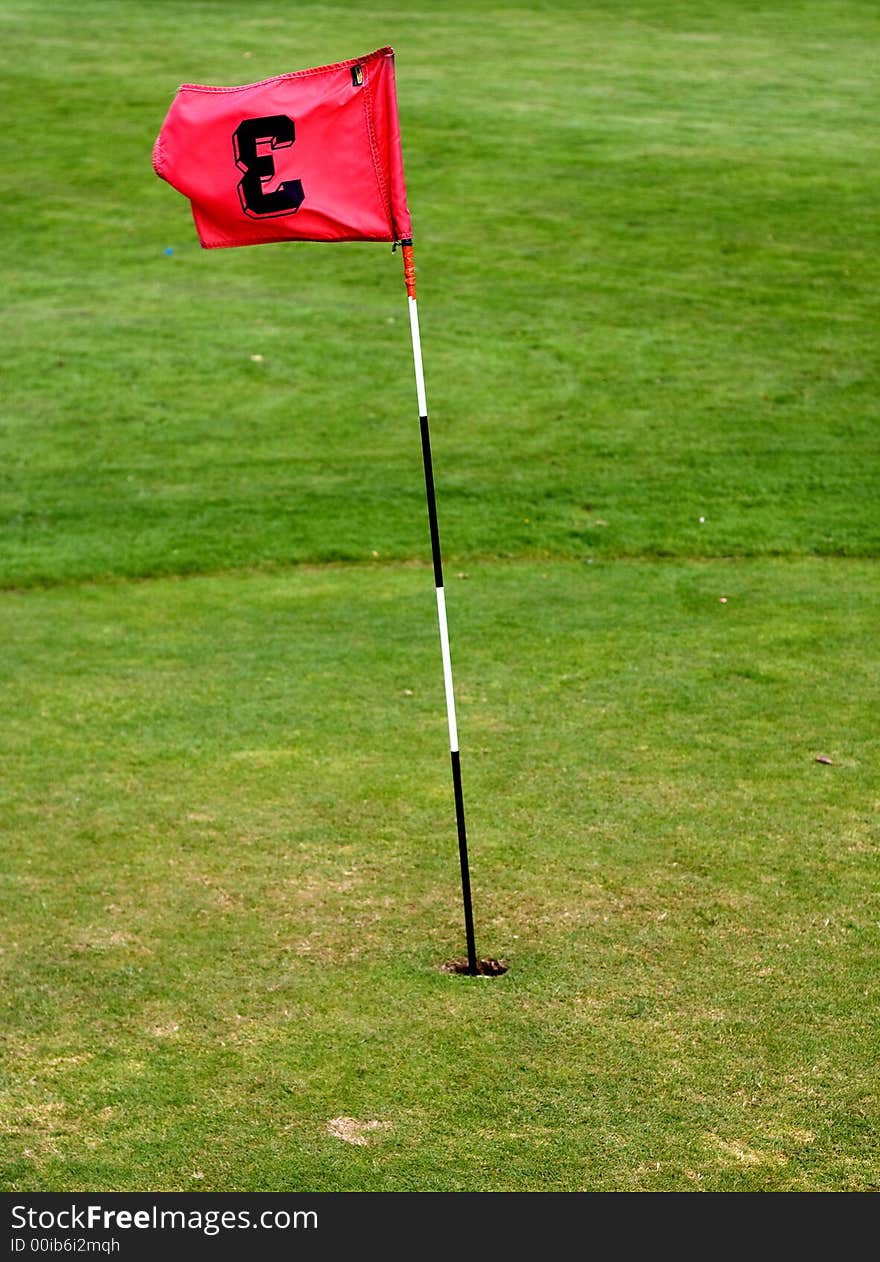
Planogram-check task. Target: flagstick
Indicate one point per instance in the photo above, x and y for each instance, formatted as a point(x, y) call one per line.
point(409, 273)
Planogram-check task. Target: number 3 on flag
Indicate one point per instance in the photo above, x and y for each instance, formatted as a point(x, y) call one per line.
point(259, 168)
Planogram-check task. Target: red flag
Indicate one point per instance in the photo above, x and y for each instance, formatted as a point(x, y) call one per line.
point(309, 156)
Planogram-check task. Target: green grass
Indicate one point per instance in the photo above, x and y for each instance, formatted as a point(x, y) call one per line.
point(239, 881)
point(647, 249)
point(647, 256)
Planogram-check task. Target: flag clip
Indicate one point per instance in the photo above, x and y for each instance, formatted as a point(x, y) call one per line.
point(357, 76)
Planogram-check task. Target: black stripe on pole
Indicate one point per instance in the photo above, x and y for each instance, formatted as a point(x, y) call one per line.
point(465, 870)
point(432, 501)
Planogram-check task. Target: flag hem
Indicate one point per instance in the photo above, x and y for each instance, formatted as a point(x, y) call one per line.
point(384, 192)
point(387, 51)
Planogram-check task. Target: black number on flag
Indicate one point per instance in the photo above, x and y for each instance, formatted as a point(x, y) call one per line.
point(259, 168)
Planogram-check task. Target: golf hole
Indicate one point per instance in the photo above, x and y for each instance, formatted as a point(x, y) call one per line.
point(485, 967)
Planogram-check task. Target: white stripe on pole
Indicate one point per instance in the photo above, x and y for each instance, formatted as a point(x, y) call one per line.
point(441, 595)
point(417, 356)
point(447, 670)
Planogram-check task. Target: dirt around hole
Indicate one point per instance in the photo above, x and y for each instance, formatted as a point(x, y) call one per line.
point(486, 967)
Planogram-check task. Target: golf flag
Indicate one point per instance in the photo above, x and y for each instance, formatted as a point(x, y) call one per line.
point(313, 155)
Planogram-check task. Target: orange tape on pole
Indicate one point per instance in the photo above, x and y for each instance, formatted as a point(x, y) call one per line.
point(409, 271)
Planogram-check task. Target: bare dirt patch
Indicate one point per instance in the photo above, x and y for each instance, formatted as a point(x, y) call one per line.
point(351, 1131)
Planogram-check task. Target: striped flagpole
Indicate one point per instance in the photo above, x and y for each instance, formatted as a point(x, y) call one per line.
point(409, 273)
